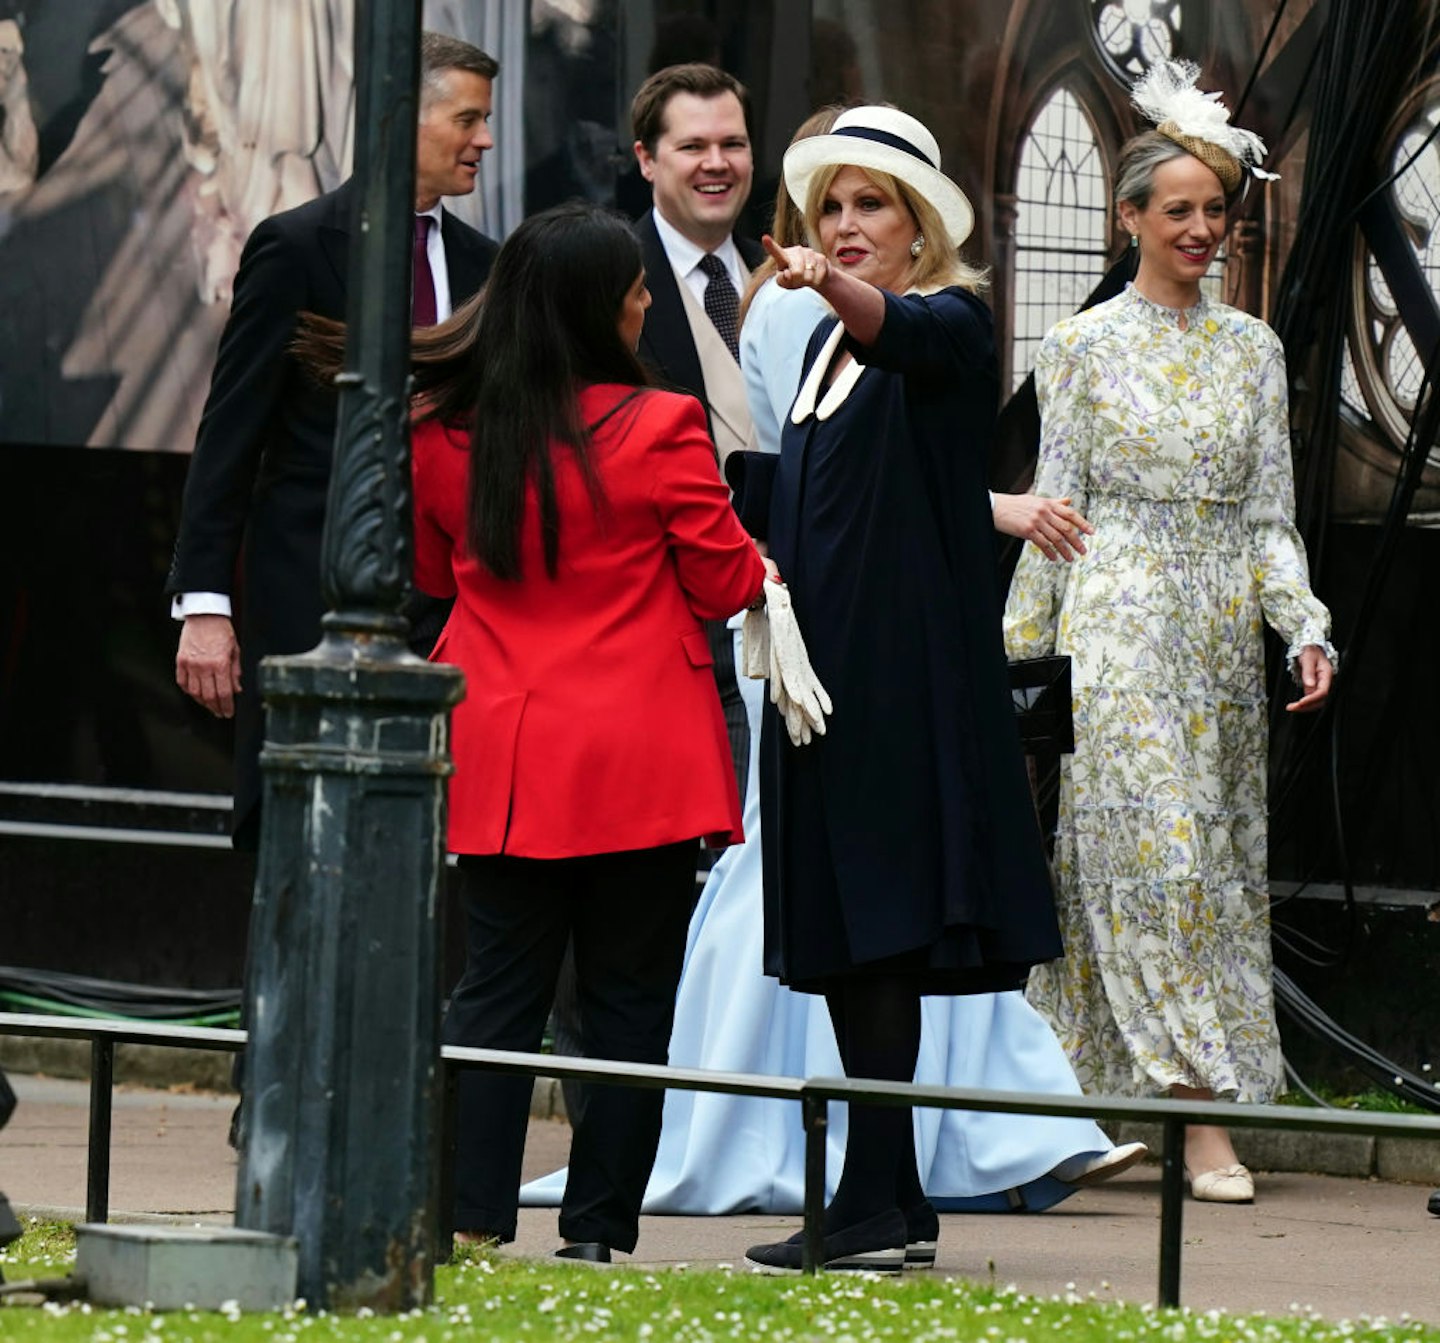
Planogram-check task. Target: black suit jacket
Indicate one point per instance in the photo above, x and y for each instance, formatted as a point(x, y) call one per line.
point(666, 344)
point(261, 465)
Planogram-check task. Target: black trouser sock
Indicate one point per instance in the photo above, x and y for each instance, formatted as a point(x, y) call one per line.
point(877, 1028)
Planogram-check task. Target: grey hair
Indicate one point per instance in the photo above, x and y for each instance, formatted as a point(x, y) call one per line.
point(439, 53)
point(1135, 171)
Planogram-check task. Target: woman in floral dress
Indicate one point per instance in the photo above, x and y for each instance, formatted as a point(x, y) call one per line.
point(1164, 417)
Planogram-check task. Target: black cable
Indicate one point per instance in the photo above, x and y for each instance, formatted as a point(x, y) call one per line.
point(57, 992)
point(1394, 177)
point(1424, 427)
point(1259, 60)
point(1298, 1083)
point(1350, 97)
point(1301, 1009)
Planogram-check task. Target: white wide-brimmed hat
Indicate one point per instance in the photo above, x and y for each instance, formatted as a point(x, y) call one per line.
point(889, 141)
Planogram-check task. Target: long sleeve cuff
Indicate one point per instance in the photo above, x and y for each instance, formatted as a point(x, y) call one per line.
point(751, 477)
point(1317, 640)
point(184, 604)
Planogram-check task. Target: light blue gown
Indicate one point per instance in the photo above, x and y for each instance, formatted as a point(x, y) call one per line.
point(728, 1154)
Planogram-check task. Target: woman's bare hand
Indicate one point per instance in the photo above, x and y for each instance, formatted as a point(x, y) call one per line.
point(1052, 524)
point(797, 267)
point(1316, 676)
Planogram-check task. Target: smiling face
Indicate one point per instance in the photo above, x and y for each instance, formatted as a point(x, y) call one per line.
point(1179, 230)
point(454, 132)
point(632, 312)
point(866, 231)
point(701, 169)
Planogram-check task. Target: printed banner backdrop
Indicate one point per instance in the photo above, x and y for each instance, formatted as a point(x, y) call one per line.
point(141, 140)
point(139, 145)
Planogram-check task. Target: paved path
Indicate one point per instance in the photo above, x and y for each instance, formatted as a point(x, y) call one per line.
point(1342, 1247)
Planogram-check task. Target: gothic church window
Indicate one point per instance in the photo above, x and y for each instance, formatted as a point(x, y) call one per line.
point(1134, 34)
point(1062, 224)
point(1388, 369)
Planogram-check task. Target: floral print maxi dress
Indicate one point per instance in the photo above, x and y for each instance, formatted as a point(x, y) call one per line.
point(1175, 443)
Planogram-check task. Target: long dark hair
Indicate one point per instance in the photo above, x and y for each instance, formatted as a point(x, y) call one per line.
point(510, 361)
point(549, 324)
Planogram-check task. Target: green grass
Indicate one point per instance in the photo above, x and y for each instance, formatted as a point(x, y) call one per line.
point(1373, 1098)
point(484, 1298)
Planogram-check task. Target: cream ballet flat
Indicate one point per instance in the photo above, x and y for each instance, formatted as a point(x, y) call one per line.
point(1226, 1184)
point(1092, 1168)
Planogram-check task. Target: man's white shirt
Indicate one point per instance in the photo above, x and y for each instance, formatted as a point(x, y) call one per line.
point(685, 257)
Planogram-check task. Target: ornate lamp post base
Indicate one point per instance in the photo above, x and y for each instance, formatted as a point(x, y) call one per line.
point(341, 1087)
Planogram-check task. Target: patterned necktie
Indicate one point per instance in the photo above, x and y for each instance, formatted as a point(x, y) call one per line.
point(422, 296)
point(722, 303)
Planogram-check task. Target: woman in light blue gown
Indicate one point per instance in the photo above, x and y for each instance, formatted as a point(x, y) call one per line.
point(729, 1154)
point(725, 1154)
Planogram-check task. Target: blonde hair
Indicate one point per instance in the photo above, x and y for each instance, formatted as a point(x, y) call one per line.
point(939, 264)
point(787, 225)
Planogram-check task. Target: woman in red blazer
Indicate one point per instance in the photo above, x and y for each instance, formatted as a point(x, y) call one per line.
point(578, 517)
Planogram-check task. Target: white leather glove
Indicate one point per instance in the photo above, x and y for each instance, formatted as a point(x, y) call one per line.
point(795, 690)
point(755, 642)
point(796, 724)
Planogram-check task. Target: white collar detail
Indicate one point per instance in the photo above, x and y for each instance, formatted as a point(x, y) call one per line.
point(840, 387)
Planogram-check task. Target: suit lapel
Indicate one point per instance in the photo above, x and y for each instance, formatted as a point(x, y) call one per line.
point(464, 262)
point(334, 233)
point(666, 343)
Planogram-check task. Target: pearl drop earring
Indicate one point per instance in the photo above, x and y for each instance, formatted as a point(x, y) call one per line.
point(918, 245)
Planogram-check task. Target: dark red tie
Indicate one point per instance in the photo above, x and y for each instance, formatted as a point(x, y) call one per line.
point(422, 302)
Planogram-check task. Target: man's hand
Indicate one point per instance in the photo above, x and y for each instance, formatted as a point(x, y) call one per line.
point(207, 665)
point(1051, 524)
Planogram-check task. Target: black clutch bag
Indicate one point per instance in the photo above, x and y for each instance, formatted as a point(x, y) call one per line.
point(1040, 693)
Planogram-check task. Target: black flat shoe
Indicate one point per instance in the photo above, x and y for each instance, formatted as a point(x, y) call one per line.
point(922, 1233)
point(585, 1252)
point(876, 1245)
point(1434, 1204)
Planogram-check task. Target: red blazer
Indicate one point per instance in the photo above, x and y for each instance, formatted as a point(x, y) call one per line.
point(591, 722)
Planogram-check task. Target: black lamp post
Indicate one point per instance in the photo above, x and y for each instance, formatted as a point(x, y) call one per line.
point(342, 1084)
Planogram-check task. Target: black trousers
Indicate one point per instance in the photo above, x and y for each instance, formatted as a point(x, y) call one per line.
point(626, 914)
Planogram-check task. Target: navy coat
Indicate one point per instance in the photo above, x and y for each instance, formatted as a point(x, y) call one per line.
point(905, 838)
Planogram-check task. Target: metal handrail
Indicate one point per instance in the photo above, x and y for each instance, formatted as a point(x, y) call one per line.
point(814, 1095)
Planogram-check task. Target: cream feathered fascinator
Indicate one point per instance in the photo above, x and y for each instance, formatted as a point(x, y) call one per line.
point(1198, 122)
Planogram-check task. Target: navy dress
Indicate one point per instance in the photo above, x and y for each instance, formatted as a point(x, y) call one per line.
point(904, 840)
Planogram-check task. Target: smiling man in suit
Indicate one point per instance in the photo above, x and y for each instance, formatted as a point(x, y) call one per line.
point(261, 465)
point(692, 142)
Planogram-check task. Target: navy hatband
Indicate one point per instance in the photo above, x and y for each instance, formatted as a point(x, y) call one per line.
point(885, 138)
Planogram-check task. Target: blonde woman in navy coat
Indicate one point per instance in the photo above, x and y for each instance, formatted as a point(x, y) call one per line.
point(902, 856)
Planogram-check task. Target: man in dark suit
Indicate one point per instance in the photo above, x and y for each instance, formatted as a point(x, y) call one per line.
point(262, 456)
point(692, 143)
